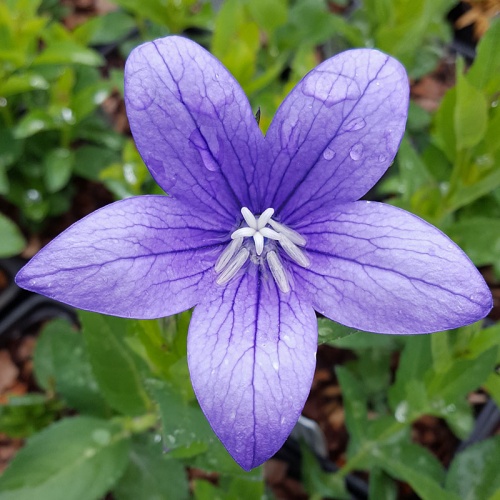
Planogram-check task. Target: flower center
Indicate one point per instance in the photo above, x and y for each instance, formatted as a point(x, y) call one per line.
point(269, 239)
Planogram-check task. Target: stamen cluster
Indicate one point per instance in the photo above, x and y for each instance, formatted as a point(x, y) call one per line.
point(236, 254)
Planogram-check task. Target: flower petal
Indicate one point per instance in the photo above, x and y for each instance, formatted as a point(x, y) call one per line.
point(143, 257)
point(378, 268)
point(193, 125)
point(336, 133)
point(251, 354)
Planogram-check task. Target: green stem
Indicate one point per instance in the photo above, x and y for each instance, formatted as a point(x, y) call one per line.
point(138, 425)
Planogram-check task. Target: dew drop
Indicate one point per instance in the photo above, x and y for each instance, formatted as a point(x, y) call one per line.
point(402, 410)
point(328, 154)
point(355, 124)
point(382, 158)
point(101, 436)
point(276, 365)
point(208, 160)
point(356, 152)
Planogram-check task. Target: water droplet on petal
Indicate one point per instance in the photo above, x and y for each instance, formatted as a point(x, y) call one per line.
point(356, 152)
point(355, 124)
point(202, 146)
point(328, 154)
point(276, 365)
point(382, 158)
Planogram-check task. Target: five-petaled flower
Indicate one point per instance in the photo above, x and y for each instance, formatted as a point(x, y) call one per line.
point(259, 231)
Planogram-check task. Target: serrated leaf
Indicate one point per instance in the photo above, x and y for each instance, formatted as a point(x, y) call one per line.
point(116, 367)
point(331, 332)
point(77, 458)
point(416, 466)
point(473, 474)
point(151, 474)
point(462, 377)
point(187, 433)
point(61, 364)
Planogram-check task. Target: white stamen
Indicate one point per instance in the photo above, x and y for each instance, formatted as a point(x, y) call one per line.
point(267, 232)
point(259, 242)
point(294, 252)
point(261, 229)
point(243, 232)
point(249, 218)
point(278, 271)
point(227, 254)
point(292, 235)
point(234, 266)
point(265, 217)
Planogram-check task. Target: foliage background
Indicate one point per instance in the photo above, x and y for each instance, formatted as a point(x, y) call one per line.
point(115, 410)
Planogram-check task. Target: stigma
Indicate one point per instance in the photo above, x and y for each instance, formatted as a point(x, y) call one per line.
point(263, 241)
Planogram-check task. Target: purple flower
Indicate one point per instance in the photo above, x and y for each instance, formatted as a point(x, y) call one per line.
point(258, 232)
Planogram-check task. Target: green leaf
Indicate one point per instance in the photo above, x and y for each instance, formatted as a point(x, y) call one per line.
point(444, 125)
point(68, 52)
point(330, 332)
point(418, 467)
point(90, 161)
point(471, 114)
point(12, 241)
point(382, 486)
point(17, 84)
point(356, 414)
point(58, 167)
point(61, 364)
point(10, 148)
point(461, 378)
point(269, 15)
point(248, 487)
point(187, 433)
point(77, 458)
point(105, 29)
point(479, 237)
point(151, 474)
point(35, 121)
point(485, 72)
point(408, 396)
point(89, 98)
point(413, 172)
point(473, 474)
point(115, 366)
point(22, 416)
point(320, 484)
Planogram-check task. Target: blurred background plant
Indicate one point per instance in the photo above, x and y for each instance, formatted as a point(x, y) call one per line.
point(112, 408)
